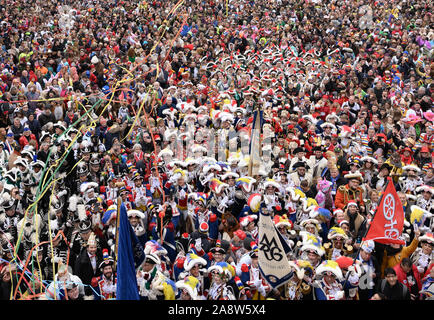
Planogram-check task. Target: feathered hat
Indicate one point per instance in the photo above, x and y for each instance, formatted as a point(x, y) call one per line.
point(312, 243)
point(418, 215)
point(191, 284)
point(254, 202)
point(329, 266)
point(245, 183)
point(427, 237)
point(336, 232)
point(224, 269)
point(191, 259)
point(109, 214)
point(301, 268)
point(217, 186)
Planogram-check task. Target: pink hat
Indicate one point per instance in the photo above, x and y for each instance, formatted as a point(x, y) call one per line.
point(429, 115)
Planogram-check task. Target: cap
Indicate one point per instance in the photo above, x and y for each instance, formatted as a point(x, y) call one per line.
point(240, 234)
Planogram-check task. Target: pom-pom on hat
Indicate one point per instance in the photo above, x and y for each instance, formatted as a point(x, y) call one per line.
point(107, 260)
point(218, 248)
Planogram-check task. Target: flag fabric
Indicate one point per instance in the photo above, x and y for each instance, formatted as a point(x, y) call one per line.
point(130, 255)
point(255, 144)
point(272, 249)
point(388, 222)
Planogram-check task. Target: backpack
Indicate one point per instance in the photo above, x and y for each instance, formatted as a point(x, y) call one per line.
point(404, 288)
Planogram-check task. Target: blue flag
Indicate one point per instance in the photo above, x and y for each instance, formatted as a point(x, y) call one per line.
point(130, 255)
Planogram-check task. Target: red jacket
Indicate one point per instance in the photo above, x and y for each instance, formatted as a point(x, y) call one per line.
point(23, 141)
point(402, 276)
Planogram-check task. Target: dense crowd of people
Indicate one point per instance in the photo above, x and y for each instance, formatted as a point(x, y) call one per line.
point(152, 104)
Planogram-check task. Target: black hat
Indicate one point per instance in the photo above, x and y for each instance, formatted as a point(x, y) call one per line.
point(95, 159)
point(82, 168)
point(152, 259)
point(218, 248)
point(108, 260)
point(298, 149)
point(301, 164)
point(85, 225)
point(385, 166)
point(8, 204)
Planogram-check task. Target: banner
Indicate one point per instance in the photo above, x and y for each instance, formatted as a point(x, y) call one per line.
point(130, 255)
point(273, 263)
point(388, 222)
point(255, 144)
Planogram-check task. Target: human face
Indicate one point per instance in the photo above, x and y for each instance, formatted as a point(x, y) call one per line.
point(91, 249)
point(312, 257)
point(310, 228)
point(301, 171)
point(218, 257)
point(338, 242)
point(134, 221)
point(107, 271)
point(334, 173)
point(147, 267)
point(195, 270)
point(329, 277)
point(427, 248)
point(269, 190)
point(73, 293)
point(217, 278)
point(365, 255)
point(185, 295)
point(85, 235)
point(346, 228)
point(354, 183)
point(391, 279)
point(352, 209)
point(406, 269)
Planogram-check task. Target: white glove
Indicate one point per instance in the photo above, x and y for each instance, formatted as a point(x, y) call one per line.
point(353, 278)
point(198, 244)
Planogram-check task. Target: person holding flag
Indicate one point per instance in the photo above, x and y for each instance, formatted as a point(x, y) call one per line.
point(386, 228)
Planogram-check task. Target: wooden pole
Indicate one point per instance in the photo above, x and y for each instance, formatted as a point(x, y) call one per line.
point(119, 201)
